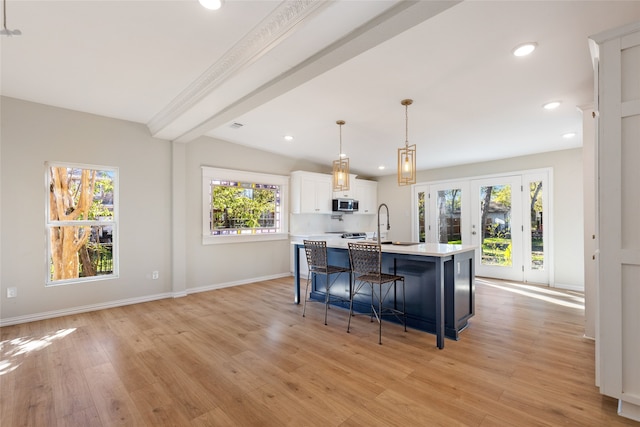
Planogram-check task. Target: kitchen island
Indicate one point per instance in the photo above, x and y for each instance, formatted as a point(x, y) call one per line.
point(439, 283)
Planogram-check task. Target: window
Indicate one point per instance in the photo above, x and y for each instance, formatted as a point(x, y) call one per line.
point(81, 223)
point(243, 206)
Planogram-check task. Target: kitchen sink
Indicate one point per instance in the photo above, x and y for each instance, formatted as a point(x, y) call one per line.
point(400, 243)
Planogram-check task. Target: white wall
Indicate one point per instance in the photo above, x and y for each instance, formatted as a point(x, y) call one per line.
point(33, 134)
point(567, 204)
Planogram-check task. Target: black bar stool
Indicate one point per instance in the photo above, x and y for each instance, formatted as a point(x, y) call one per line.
point(316, 251)
point(366, 266)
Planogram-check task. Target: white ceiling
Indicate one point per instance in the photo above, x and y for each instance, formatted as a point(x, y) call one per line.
point(296, 67)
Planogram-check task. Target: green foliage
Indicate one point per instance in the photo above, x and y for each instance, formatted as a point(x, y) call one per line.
point(452, 198)
point(237, 207)
point(501, 194)
point(103, 188)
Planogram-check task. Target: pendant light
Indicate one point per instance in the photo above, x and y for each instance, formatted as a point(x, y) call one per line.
point(5, 31)
point(407, 155)
point(341, 167)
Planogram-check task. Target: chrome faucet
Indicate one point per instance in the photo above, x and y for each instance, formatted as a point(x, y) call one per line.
point(388, 225)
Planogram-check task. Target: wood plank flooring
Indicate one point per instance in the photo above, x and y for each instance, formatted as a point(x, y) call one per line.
point(244, 356)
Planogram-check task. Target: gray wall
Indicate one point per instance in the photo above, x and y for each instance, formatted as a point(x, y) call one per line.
point(217, 265)
point(34, 133)
point(158, 231)
point(567, 212)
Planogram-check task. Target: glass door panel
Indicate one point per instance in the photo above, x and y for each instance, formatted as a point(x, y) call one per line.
point(536, 244)
point(448, 217)
point(440, 211)
point(422, 217)
point(496, 227)
point(537, 238)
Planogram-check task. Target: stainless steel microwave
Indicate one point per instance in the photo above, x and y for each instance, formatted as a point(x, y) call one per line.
point(345, 205)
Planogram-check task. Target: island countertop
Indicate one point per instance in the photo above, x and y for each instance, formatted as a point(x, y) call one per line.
point(407, 248)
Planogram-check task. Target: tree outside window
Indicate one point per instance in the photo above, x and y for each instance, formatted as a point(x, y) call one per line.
point(244, 208)
point(81, 223)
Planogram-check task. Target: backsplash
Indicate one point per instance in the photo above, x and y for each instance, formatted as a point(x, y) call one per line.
point(300, 224)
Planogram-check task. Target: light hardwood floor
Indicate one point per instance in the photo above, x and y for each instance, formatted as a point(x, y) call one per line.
point(244, 356)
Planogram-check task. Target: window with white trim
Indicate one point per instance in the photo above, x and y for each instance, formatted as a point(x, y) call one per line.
point(241, 206)
point(81, 223)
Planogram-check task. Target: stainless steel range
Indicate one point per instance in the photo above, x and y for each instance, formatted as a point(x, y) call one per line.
point(354, 236)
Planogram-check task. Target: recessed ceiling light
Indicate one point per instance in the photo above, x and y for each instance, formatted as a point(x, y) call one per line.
point(288, 138)
point(524, 49)
point(211, 4)
point(381, 167)
point(343, 155)
point(551, 105)
point(569, 135)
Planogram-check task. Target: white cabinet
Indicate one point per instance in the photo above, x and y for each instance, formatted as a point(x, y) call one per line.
point(310, 192)
point(366, 193)
point(347, 194)
point(617, 68)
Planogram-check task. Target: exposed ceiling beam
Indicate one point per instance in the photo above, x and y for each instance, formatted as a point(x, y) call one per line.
point(393, 21)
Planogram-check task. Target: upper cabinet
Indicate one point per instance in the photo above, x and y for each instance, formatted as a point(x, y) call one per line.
point(366, 193)
point(310, 192)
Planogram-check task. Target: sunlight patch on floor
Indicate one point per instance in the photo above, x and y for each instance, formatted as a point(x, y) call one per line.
point(565, 299)
point(12, 351)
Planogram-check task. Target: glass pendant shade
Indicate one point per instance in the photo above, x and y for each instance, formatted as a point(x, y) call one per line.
point(341, 167)
point(341, 174)
point(407, 155)
point(407, 165)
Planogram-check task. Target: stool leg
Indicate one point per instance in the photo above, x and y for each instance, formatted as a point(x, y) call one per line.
point(326, 300)
point(351, 292)
point(404, 308)
point(306, 291)
point(379, 314)
point(372, 303)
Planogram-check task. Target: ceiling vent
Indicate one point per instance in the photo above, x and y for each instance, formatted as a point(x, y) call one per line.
point(236, 125)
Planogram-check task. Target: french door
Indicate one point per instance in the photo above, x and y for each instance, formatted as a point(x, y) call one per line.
point(505, 217)
point(496, 227)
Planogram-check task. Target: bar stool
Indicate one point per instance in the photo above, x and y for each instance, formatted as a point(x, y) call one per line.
point(366, 266)
point(316, 251)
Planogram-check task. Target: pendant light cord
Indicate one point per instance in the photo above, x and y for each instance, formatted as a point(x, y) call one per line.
point(406, 126)
point(340, 123)
point(406, 103)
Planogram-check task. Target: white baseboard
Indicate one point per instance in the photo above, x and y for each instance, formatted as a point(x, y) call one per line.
point(235, 283)
point(119, 303)
point(628, 410)
point(81, 309)
point(576, 288)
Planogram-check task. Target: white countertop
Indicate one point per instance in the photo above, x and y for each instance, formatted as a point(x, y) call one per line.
point(424, 249)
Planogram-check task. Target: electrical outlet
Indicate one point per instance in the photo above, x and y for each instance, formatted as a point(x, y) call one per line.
point(155, 275)
point(12, 292)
